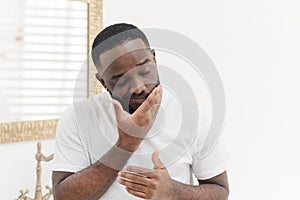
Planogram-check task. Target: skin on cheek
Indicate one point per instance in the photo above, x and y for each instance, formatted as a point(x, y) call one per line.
point(124, 96)
point(122, 93)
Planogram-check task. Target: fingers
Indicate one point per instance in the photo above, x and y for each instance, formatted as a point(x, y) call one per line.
point(152, 113)
point(160, 91)
point(117, 106)
point(156, 161)
point(138, 178)
point(136, 193)
point(132, 185)
point(145, 115)
point(125, 123)
point(138, 172)
point(139, 123)
point(153, 99)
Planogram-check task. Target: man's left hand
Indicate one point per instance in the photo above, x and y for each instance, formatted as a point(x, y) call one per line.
point(146, 183)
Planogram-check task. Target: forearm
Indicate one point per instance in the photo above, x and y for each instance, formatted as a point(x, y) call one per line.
point(201, 192)
point(92, 182)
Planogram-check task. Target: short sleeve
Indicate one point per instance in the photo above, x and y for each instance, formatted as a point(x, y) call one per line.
point(69, 154)
point(210, 165)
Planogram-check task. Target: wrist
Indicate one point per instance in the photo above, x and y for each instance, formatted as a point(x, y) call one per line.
point(128, 145)
point(174, 190)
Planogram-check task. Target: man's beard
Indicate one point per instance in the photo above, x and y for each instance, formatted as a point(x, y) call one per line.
point(125, 102)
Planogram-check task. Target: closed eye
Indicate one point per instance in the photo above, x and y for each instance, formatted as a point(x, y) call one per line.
point(144, 62)
point(116, 77)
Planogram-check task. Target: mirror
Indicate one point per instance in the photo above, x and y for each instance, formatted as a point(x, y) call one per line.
point(43, 58)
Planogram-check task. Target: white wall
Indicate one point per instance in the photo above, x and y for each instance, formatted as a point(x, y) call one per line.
point(18, 168)
point(254, 45)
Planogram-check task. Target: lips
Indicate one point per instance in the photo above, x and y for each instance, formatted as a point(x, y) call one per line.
point(139, 96)
point(138, 100)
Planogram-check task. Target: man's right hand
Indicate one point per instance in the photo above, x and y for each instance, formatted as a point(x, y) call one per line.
point(133, 128)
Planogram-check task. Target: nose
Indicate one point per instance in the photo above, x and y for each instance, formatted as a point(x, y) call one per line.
point(137, 86)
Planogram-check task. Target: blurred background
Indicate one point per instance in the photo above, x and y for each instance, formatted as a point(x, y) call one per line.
point(254, 45)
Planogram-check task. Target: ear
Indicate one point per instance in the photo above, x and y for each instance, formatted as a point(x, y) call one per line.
point(99, 78)
point(153, 55)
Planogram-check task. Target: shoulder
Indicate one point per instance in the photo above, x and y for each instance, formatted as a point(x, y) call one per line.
point(90, 105)
point(78, 113)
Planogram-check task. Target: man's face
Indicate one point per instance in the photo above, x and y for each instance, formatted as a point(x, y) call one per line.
point(130, 73)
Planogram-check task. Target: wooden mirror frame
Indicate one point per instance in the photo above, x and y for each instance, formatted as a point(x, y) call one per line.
point(45, 129)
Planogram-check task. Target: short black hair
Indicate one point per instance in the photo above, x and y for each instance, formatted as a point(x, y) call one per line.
point(115, 35)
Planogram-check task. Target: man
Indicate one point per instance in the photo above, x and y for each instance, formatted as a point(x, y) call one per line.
point(116, 144)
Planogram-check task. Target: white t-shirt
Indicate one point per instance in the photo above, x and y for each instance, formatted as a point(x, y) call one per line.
point(87, 130)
